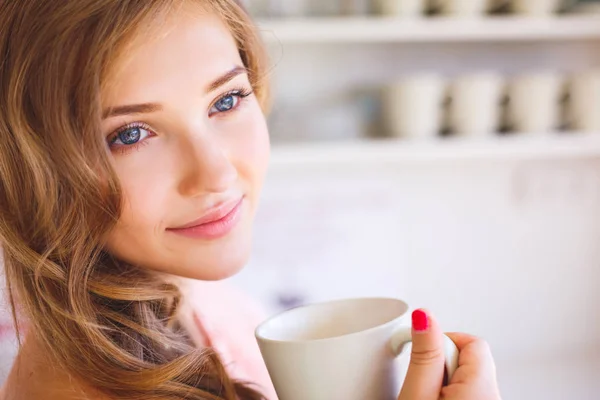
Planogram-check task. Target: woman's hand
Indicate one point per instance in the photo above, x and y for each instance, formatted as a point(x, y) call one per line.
point(475, 378)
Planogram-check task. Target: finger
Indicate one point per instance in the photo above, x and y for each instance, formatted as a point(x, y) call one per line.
point(461, 339)
point(476, 372)
point(475, 358)
point(426, 369)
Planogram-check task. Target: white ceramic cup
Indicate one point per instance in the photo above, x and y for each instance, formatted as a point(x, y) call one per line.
point(536, 8)
point(475, 105)
point(401, 8)
point(412, 107)
point(462, 8)
point(583, 107)
point(534, 104)
point(344, 349)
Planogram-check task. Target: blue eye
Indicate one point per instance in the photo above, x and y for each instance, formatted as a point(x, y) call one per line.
point(226, 103)
point(229, 101)
point(130, 136)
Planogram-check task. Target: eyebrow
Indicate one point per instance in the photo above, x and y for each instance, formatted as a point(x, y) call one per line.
point(223, 79)
point(147, 108)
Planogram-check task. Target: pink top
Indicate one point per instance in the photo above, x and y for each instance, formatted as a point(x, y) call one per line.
point(221, 317)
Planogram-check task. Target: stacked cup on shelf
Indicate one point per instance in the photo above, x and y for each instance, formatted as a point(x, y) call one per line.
point(484, 103)
point(469, 8)
point(474, 104)
point(413, 106)
point(539, 7)
point(583, 102)
point(405, 8)
point(534, 102)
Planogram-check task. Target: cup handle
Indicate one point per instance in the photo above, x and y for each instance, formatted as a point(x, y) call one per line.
point(403, 335)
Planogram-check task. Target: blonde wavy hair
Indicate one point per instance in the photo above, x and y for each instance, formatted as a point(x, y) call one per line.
point(110, 324)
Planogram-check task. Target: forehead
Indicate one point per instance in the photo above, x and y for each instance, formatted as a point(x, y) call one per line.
point(186, 50)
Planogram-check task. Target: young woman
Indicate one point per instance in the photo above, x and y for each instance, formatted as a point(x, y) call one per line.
point(133, 148)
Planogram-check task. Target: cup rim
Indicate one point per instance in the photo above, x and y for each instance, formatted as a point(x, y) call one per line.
point(261, 338)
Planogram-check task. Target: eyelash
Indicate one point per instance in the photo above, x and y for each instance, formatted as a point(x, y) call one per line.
point(127, 148)
point(240, 92)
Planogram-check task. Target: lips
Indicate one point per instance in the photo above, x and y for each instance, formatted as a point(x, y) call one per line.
point(215, 223)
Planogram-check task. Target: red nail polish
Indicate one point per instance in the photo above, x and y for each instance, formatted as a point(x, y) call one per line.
point(420, 322)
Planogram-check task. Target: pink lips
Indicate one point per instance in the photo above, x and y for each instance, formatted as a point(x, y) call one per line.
point(215, 224)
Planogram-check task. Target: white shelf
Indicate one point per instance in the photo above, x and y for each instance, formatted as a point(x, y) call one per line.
point(435, 29)
point(389, 151)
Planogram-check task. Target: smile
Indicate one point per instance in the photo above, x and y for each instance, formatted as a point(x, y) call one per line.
point(217, 223)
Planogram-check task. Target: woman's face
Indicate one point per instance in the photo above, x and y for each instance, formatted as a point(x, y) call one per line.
point(190, 147)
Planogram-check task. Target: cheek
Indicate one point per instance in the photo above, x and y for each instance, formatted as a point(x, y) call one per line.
point(142, 204)
point(143, 178)
point(250, 148)
point(140, 220)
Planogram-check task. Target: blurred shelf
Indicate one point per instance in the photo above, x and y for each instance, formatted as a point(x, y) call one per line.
point(434, 29)
point(389, 151)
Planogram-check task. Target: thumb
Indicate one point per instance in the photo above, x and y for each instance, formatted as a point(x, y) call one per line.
point(426, 369)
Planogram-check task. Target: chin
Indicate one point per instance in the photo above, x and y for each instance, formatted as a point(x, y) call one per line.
point(219, 264)
point(221, 271)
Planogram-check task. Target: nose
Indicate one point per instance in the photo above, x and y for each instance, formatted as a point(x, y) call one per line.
point(206, 167)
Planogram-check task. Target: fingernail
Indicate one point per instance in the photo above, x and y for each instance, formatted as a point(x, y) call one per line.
point(420, 322)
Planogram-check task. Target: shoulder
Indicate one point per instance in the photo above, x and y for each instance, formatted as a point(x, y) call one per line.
point(34, 377)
